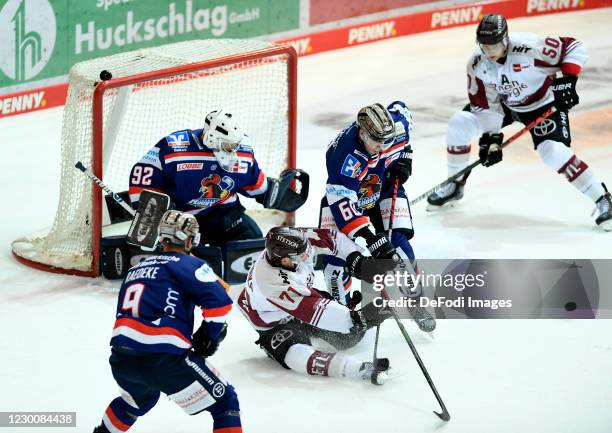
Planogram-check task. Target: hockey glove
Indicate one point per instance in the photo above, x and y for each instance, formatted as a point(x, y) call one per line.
point(365, 268)
point(374, 315)
point(380, 248)
point(402, 169)
point(203, 345)
point(564, 89)
point(490, 148)
point(359, 322)
point(353, 264)
point(288, 192)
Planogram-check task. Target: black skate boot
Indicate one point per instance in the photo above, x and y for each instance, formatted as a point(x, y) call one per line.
point(101, 429)
point(377, 374)
point(421, 316)
point(446, 195)
point(603, 210)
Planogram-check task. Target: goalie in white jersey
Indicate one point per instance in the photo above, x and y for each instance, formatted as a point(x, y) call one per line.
point(280, 302)
point(513, 77)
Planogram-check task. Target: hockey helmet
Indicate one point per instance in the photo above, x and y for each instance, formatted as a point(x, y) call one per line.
point(492, 34)
point(287, 242)
point(376, 121)
point(222, 135)
point(176, 227)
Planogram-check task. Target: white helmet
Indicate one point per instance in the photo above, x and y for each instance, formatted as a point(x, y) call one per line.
point(176, 227)
point(223, 136)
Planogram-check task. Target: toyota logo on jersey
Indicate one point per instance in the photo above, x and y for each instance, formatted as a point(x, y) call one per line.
point(545, 127)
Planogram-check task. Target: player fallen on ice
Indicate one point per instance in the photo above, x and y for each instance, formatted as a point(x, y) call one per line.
point(204, 170)
point(153, 350)
point(283, 306)
point(365, 163)
point(514, 77)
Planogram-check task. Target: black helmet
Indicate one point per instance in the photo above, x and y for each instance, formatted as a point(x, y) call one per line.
point(284, 242)
point(492, 29)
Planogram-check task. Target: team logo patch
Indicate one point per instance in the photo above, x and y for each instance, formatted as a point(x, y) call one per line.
point(178, 141)
point(218, 390)
point(351, 167)
point(280, 337)
point(545, 127)
point(214, 188)
point(369, 191)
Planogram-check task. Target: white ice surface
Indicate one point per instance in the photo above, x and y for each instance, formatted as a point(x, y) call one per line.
point(495, 376)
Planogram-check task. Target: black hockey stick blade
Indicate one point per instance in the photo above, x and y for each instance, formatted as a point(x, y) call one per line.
point(444, 416)
point(143, 231)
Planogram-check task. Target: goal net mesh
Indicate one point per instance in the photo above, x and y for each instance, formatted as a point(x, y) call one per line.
point(137, 116)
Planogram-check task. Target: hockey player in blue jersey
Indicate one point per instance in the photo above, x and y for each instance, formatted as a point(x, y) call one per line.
point(153, 349)
point(364, 162)
point(203, 170)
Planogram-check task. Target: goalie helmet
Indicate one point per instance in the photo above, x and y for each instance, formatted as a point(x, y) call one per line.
point(376, 121)
point(176, 227)
point(223, 136)
point(287, 242)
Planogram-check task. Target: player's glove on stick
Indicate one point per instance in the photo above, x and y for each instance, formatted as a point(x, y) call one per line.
point(203, 345)
point(374, 315)
point(564, 89)
point(380, 248)
point(490, 148)
point(354, 263)
point(359, 322)
point(365, 268)
point(402, 169)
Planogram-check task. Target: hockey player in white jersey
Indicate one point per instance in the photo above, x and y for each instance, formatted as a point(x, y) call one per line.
point(513, 77)
point(282, 305)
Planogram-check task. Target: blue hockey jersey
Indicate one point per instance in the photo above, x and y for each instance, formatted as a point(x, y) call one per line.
point(356, 178)
point(155, 309)
point(181, 166)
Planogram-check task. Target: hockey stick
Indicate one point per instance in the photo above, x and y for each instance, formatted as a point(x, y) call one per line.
point(373, 379)
point(102, 185)
point(476, 163)
point(444, 415)
point(143, 229)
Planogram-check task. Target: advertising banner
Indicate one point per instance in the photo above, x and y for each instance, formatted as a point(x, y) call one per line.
point(42, 39)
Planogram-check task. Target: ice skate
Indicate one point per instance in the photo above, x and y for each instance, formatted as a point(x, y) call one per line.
point(603, 212)
point(377, 374)
point(424, 320)
point(445, 196)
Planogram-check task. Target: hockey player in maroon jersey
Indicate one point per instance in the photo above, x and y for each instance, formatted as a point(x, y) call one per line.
point(283, 306)
point(513, 77)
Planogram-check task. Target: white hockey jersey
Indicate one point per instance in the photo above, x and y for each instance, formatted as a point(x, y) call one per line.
point(523, 81)
point(273, 296)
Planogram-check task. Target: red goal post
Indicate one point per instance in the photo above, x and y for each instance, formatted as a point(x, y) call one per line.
point(255, 80)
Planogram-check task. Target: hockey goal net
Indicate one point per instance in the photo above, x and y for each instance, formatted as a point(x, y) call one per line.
point(109, 125)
